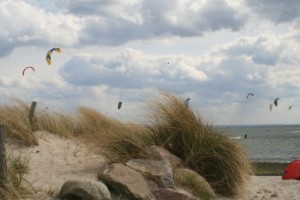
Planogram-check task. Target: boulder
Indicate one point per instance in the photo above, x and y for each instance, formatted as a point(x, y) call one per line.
point(170, 194)
point(160, 153)
point(87, 190)
point(127, 182)
point(158, 171)
point(194, 183)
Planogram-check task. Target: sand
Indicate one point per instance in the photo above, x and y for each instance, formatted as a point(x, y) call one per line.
point(57, 160)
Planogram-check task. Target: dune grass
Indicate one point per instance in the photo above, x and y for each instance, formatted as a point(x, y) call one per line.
point(171, 124)
point(222, 161)
point(15, 117)
point(17, 168)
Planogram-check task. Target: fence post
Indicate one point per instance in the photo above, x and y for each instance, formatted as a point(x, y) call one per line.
point(32, 119)
point(3, 164)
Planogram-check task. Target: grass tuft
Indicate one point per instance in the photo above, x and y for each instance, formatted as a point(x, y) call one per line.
point(222, 161)
point(15, 116)
point(15, 189)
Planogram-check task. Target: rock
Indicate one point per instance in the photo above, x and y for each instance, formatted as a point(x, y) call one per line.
point(170, 194)
point(194, 183)
point(87, 190)
point(274, 195)
point(127, 182)
point(158, 171)
point(160, 153)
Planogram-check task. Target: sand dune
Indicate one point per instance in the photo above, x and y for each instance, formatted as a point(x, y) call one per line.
point(56, 160)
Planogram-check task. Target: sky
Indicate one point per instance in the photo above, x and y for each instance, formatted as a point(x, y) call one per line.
point(212, 51)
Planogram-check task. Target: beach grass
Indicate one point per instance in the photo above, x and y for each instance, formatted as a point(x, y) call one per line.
point(171, 124)
point(269, 168)
point(17, 168)
point(223, 162)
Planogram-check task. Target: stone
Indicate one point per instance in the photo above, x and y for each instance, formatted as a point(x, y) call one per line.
point(158, 171)
point(125, 181)
point(159, 153)
point(84, 190)
point(170, 194)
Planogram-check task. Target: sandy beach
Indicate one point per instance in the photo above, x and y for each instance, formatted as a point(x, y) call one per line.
point(57, 160)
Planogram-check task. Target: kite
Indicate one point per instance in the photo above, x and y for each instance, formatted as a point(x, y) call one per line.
point(119, 105)
point(290, 107)
point(26, 69)
point(250, 94)
point(276, 101)
point(48, 57)
point(187, 101)
point(271, 105)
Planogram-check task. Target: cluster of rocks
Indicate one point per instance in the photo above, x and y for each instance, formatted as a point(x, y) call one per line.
point(160, 176)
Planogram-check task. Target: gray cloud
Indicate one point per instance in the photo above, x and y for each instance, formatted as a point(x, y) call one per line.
point(114, 23)
point(278, 11)
point(130, 69)
point(264, 50)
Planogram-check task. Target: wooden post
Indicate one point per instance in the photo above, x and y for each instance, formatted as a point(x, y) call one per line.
point(3, 164)
point(32, 119)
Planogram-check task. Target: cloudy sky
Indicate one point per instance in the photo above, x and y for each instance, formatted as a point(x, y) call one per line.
point(213, 51)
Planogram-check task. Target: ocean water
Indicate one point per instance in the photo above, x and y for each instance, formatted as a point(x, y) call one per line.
point(267, 143)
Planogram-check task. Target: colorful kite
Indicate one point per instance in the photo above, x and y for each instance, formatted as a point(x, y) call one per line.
point(49, 53)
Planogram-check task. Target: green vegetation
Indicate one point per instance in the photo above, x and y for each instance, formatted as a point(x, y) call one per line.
point(17, 169)
point(171, 124)
point(269, 169)
point(193, 182)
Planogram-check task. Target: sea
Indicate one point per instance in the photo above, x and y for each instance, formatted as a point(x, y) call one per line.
point(267, 143)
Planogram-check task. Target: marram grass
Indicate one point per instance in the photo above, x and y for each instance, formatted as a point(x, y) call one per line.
point(171, 124)
point(222, 161)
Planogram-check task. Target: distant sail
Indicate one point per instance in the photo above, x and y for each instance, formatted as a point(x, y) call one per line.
point(250, 94)
point(276, 101)
point(119, 105)
point(187, 101)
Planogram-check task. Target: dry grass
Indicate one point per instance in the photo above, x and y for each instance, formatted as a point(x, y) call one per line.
point(15, 188)
point(222, 161)
point(16, 119)
point(120, 146)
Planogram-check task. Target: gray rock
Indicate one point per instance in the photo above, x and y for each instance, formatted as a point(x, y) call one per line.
point(158, 171)
point(127, 182)
point(160, 153)
point(87, 190)
point(170, 194)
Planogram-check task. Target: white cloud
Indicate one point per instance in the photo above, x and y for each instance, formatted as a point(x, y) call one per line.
point(213, 51)
point(24, 24)
point(130, 69)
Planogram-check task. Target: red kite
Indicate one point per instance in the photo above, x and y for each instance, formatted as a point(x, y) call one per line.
point(23, 72)
point(292, 171)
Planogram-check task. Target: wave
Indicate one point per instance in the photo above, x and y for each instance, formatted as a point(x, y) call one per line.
point(297, 131)
point(236, 137)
